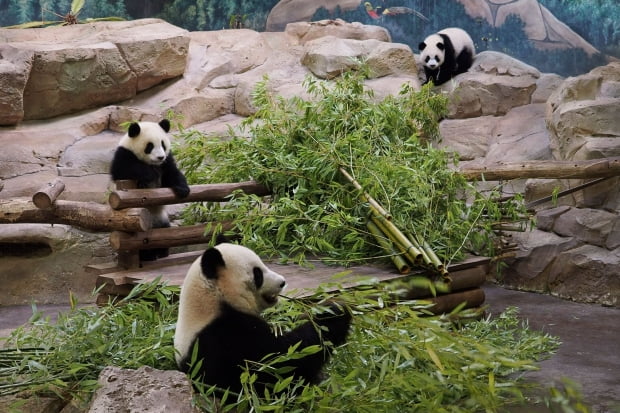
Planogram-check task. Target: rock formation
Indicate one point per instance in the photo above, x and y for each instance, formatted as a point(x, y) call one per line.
point(499, 111)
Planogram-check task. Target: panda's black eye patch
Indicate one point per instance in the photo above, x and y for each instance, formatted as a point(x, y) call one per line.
point(149, 148)
point(258, 277)
point(427, 59)
point(163, 145)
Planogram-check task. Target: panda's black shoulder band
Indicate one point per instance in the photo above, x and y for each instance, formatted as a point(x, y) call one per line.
point(210, 262)
point(134, 130)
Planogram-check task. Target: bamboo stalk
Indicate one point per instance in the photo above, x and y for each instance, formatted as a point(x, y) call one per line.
point(371, 201)
point(385, 243)
point(425, 258)
point(398, 238)
point(412, 250)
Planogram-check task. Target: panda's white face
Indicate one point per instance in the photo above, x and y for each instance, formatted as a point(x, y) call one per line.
point(245, 282)
point(148, 141)
point(433, 51)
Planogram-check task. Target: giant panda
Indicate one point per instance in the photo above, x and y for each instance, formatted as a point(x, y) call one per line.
point(222, 297)
point(446, 54)
point(143, 155)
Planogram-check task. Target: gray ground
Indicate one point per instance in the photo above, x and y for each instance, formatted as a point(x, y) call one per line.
point(589, 354)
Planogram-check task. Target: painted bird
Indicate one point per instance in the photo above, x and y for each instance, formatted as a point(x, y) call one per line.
point(378, 12)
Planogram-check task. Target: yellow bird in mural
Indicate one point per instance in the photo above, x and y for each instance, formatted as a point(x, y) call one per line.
point(378, 12)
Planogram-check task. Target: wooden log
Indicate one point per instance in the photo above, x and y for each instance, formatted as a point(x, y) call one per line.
point(597, 168)
point(461, 280)
point(88, 215)
point(45, 197)
point(448, 302)
point(162, 237)
point(198, 193)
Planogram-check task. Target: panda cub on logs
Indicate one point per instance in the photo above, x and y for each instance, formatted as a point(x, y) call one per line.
point(446, 54)
point(223, 294)
point(143, 155)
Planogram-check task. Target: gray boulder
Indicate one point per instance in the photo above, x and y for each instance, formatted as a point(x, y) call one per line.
point(145, 390)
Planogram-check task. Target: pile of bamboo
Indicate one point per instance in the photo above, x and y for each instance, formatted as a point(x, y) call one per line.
point(405, 250)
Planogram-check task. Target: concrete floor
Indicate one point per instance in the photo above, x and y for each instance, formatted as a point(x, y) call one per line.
point(590, 351)
point(589, 354)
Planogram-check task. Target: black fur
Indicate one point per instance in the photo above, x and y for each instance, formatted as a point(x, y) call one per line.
point(452, 65)
point(125, 165)
point(235, 337)
point(211, 262)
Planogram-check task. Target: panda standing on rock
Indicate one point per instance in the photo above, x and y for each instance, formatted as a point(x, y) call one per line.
point(446, 54)
point(143, 155)
point(223, 294)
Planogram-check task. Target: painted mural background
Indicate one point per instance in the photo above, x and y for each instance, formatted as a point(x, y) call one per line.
point(567, 37)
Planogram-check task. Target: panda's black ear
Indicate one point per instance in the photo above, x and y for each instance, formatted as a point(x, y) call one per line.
point(165, 125)
point(440, 46)
point(134, 130)
point(422, 46)
point(211, 262)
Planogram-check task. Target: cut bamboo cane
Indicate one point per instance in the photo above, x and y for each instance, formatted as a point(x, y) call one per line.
point(383, 220)
point(371, 201)
point(398, 238)
point(387, 246)
point(425, 258)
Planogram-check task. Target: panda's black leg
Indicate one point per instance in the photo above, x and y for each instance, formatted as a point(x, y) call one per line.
point(149, 255)
point(162, 252)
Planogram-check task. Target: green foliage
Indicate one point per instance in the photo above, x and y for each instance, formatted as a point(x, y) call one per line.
point(297, 148)
point(397, 360)
point(70, 353)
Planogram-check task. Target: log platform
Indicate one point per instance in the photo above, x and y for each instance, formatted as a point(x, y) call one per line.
point(466, 278)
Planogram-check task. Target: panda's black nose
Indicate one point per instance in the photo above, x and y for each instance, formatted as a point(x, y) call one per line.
point(282, 284)
point(161, 158)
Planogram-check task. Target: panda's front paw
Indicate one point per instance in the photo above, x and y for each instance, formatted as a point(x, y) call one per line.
point(181, 191)
point(337, 318)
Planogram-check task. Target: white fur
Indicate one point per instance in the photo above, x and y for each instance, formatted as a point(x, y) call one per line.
point(460, 41)
point(200, 297)
point(149, 132)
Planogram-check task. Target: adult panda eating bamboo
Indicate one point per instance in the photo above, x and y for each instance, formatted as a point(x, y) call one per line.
point(223, 294)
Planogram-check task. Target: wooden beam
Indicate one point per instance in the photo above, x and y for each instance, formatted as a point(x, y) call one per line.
point(162, 237)
point(45, 197)
point(198, 193)
point(88, 215)
point(597, 168)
